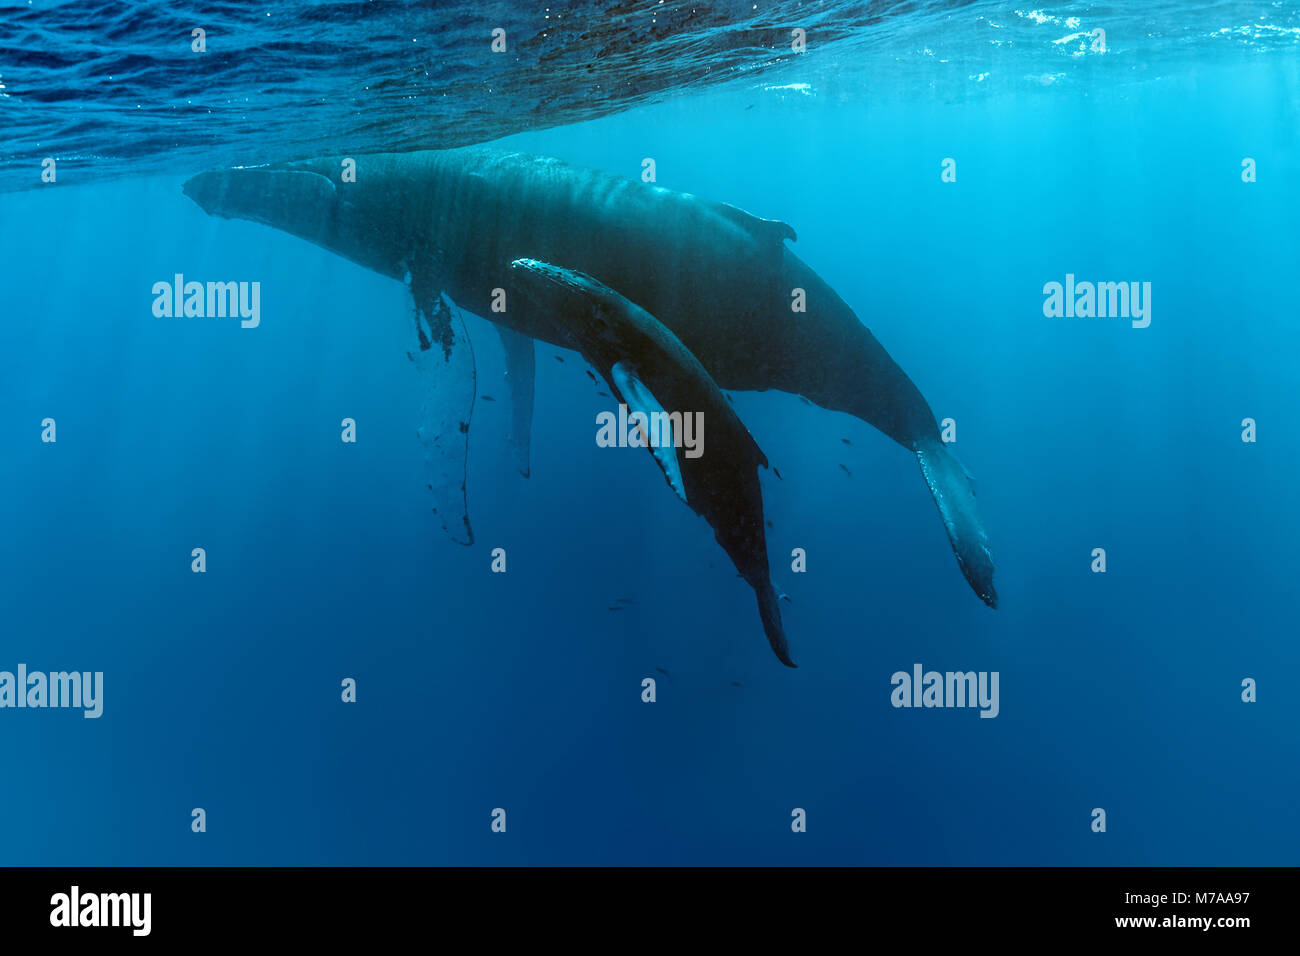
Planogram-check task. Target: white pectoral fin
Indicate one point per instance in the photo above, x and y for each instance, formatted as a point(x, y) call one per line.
point(639, 398)
point(444, 364)
point(520, 371)
point(954, 493)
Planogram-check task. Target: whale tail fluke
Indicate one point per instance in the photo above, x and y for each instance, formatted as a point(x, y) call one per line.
point(954, 493)
point(769, 609)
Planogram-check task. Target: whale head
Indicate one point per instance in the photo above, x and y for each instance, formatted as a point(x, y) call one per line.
point(581, 309)
point(301, 198)
point(550, 285)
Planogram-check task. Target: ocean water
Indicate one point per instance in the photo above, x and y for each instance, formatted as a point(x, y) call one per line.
point(1120, 690)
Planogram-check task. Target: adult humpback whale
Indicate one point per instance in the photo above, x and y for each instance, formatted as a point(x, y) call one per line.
point(651, 372)
point(450, 222)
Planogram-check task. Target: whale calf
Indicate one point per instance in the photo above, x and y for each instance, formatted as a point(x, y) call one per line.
point(450, 222)
point(652, 372)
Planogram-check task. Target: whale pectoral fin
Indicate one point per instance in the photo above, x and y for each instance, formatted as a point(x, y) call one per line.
point(773, 229)
point(445, 366)
point(769, 611)
point(638, 398)
point(520, 371)
point(954, 493)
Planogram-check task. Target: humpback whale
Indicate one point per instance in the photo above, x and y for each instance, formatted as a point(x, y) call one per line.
point(650, 371)
point(450, 222)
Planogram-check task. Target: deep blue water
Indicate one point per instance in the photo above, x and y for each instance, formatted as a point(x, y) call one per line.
point(522, 690)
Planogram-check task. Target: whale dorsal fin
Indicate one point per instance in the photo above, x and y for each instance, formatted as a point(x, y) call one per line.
point(759, 228)
point(639, 398)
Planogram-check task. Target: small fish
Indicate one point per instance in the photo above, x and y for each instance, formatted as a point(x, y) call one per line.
point(777, 471)
point(846, 470)
point(602, 394)
point(487, 398)
point(736, 683)
point(591, 375)
point(663, 671)
point(846, 441)
point(769, 524)
point(804, 400)
point(559, 358)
